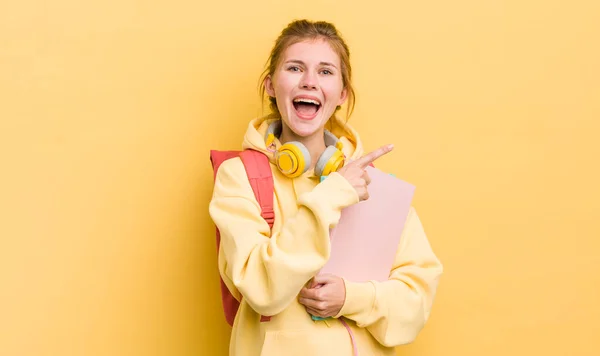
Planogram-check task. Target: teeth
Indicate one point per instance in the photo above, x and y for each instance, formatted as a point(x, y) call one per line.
point(309, 101)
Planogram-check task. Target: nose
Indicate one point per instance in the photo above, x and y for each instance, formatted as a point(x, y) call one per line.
point(309, 81)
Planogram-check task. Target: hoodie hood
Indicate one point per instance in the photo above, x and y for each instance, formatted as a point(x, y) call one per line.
point(257, 129)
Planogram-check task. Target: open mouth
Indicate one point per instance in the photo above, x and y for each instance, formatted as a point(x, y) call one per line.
point(306, 108)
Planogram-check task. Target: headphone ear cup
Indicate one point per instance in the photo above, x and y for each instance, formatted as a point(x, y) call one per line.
point(330, 161)
point(293, 159)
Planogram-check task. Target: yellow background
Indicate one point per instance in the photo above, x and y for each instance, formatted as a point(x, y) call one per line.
point(108, 111)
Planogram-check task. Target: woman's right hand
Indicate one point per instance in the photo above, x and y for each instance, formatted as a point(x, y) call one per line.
point(356, 174)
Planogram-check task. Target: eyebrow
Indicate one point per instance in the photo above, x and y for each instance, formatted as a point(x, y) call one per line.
point(321, 63)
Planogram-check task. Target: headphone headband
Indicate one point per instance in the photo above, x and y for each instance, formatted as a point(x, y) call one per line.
point(275, 129)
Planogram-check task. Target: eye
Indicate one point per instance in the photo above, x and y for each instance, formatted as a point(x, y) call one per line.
point(294, 69)
point(327, 72)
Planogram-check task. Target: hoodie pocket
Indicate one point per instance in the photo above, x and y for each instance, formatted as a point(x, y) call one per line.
point(306, 342)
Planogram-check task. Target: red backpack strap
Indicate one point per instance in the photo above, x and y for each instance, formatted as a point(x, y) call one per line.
point(260, 176)
point(218, 157)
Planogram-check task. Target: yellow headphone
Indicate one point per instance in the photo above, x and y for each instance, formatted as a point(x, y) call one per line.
point(293, 158)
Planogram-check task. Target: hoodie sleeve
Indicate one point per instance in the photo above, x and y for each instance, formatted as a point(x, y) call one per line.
point(269, 272)
point(395, 311)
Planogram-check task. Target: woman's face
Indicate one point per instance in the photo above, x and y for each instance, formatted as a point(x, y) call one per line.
point(308, 86)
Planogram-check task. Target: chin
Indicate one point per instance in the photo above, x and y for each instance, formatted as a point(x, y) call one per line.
point(305, 128)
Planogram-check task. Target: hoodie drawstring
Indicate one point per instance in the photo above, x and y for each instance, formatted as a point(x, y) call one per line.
point(354, 347)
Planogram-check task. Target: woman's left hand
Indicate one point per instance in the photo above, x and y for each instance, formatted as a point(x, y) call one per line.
point(325, 297)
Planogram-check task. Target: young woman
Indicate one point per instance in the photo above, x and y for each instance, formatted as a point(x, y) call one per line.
point(273, 271)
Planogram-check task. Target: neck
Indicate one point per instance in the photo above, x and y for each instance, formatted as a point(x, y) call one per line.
point(315, 143)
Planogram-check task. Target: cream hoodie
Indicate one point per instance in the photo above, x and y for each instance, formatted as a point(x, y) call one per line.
point(267, 269)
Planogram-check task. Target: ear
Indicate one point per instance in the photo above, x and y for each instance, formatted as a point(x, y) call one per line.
point(269, 86)
point(343, 97)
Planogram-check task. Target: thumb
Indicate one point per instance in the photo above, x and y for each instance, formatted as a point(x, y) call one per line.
point(323, 279)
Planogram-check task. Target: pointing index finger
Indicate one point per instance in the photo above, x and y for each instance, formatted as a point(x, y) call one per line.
point(367, 159)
